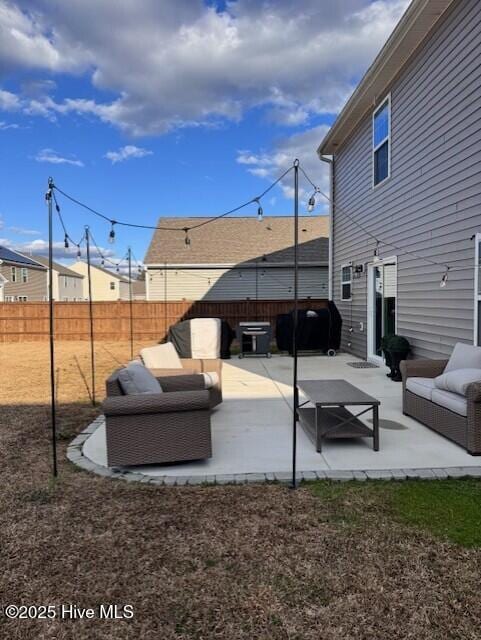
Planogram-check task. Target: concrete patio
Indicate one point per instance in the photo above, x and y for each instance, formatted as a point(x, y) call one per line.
point(252, 432)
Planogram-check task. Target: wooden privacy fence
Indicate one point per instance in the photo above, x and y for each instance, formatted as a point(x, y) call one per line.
point(29, 321)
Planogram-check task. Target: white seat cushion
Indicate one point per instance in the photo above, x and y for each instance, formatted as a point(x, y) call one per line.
point(458, 380)
point(422, 387)
point(452, 401)
point(162, 356)
point(464, 356)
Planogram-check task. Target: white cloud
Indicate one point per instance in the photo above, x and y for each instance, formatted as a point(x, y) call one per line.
point(39, 247)
point(21, 231)
point(52, 157)
point(124, 153)
point(9, 101)
point(8, 125)
point(271, 164)
point(181, 63)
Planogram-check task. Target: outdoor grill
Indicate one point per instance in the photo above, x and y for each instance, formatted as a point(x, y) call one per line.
point(254, 338)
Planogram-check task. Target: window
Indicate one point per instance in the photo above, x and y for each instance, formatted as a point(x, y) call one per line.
point(13, 274)
point(24, 275)
point(9, 298)
point(112, 286)
point(346, 282)
point(477, 291)
point(65, 281)
point(22, 298)
point(381, 142)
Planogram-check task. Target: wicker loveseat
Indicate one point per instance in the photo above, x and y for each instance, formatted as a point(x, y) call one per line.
point(148, 428)
point(462, 429)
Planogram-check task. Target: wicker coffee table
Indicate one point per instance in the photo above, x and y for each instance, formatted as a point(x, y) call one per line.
point(329, 418)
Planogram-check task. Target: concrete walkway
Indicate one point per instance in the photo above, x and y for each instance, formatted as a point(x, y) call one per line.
point(252, 433)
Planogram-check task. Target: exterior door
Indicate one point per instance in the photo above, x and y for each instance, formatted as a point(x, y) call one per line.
point(382, 295)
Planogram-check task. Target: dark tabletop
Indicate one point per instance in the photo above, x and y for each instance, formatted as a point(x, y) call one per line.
point(334, 392)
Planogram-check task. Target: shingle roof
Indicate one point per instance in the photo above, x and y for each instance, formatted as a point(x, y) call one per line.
point(239, 239)
point(60, 268)
point(8, 255)
point(110, 272)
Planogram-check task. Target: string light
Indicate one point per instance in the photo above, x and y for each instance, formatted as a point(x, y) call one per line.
point(376, 253)
point(312, 201)
point(112, 233)
point(65, 242)
point(186, 239)
point(79, 252)
point(260, 212)
point(444, 279)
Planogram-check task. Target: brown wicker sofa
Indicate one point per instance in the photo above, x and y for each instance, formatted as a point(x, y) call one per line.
point(462, 429)
point(173, 426)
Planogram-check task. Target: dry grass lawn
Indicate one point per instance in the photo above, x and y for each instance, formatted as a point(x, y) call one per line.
point(230, 563)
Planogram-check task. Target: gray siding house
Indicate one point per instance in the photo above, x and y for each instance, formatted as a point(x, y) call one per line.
point(22, 279)
point(67, 284)
point(405, 164)
point(237, 258)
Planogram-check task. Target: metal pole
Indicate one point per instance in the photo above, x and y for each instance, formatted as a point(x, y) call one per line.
point(294, 327)
point(130, 306)
point(91, 317)
point(48, 197)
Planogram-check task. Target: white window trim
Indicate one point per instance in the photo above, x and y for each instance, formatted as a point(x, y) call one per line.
point(477, 293)
point(13, 274)
point(349, 282)
point(22, 298)
point(388, 138)
point(24, 275)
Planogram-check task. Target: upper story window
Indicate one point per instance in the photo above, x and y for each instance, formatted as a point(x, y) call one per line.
point(112, 286)
point(24, 275)
point(381, 142)
point(346, 282)
point(13, 272)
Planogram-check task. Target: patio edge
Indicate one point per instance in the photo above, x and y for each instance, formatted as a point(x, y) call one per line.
point(76, 456)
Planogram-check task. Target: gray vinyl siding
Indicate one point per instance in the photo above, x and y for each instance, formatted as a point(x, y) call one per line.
point(431, 204)
point(70, 288)
point(35, 288)
point(236, 284)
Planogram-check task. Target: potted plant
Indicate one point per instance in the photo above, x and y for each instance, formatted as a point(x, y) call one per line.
point(398, 348)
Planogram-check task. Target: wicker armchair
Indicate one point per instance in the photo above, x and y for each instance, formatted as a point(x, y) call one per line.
point(464, 430)
point(172, 426)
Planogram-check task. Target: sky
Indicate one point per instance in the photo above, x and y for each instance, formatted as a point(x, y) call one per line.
point(149, 108)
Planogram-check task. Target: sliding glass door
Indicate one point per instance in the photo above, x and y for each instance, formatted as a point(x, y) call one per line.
point(382, 293)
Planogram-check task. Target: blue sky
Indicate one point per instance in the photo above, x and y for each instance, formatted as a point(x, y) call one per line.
point(169, 108)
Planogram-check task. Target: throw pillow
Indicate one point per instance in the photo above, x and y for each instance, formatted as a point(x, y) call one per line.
point(135, 378)
point(464, 356)
point(162, 356)
point(457, 381)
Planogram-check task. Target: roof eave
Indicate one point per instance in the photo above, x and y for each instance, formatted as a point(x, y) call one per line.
point(395, 54)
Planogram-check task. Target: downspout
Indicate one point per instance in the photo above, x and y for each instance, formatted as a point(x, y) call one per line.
point(330, 275)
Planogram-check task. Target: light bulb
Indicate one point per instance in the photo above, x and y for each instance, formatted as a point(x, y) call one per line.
point(311, 204)
point(444, 279)
point(260, 213)
point(112, 234)
point(79, 253)
point(186, 239)
point(102, 263)
point(65, 242)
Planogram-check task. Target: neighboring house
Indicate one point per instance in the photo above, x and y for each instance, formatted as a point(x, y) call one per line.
point(22, 279)
point(237, 259)
point(67, 284)
point(138, 289)
point(106, 285)
point(406, 168)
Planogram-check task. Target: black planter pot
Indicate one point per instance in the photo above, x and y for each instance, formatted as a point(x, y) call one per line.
point(396, 357)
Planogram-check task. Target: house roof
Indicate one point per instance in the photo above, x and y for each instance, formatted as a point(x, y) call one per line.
point(60, 268)
point(8, 255)
point(419, 20)
point(109, 272)
point(239, 239)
